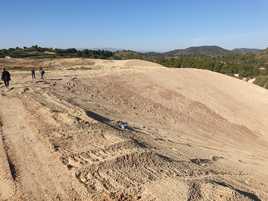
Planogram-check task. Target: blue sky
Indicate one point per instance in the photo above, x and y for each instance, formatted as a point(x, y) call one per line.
point(145, 25)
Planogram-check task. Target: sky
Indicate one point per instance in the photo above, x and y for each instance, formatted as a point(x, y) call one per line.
point(143, 25)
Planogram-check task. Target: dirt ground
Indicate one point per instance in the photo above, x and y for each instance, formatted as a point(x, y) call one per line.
point(191, 134)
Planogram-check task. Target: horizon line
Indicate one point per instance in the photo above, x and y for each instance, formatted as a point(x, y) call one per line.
point(134, 49)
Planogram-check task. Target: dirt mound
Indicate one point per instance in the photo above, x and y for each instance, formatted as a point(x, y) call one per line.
point(190, 134)
point(74, 63)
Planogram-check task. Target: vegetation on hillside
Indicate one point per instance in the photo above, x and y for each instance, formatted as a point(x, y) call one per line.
point(245, 65)
point(262, 81)
point(202, 50)
point(40, 52)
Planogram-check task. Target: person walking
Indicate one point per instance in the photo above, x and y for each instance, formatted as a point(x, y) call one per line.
point(33, 73)
point(6, 77)
point(42, 73)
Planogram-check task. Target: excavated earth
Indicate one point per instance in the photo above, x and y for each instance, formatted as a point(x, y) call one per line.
point(191, 134)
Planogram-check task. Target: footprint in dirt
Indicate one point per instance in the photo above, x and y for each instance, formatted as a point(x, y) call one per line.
point(6, 90)
point(201, 161)
point(205, 161)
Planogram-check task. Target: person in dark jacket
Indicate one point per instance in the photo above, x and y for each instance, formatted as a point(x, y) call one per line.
point(6, 77)
point(42, 72)
point(33, 73)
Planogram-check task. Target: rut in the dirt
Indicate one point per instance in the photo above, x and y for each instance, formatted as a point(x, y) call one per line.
point(7, 171)
point(205, 190)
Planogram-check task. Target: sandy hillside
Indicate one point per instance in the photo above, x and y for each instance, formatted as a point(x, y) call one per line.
point(191, 134)
point(73, 63)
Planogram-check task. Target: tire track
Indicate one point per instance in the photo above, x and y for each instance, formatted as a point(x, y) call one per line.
point(112, 162)
point(7, 171)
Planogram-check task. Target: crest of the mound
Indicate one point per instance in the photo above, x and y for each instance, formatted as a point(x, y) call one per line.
point(104, 64)
point(77, 63)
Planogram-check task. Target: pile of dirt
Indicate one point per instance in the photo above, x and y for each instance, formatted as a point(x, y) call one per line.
point(191, 134)
point(73, 63)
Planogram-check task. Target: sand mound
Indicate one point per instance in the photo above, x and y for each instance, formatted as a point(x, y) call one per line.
point(74, 63)
point(189, 135)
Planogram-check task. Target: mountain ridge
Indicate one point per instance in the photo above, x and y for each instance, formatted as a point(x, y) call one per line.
point(206, 50)
point(199, 50)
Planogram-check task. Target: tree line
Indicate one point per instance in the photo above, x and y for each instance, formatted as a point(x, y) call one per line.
point(40, 52)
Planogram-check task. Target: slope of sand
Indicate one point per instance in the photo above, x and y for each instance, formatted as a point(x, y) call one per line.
point(192, 135)
point(73, 63)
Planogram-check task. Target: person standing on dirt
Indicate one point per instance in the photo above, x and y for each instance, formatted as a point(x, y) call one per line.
point(6, 77)
point(42, 73)
point(33, 73)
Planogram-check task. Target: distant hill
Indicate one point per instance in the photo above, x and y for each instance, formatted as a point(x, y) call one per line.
point(246, 50)
point(201, 50)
